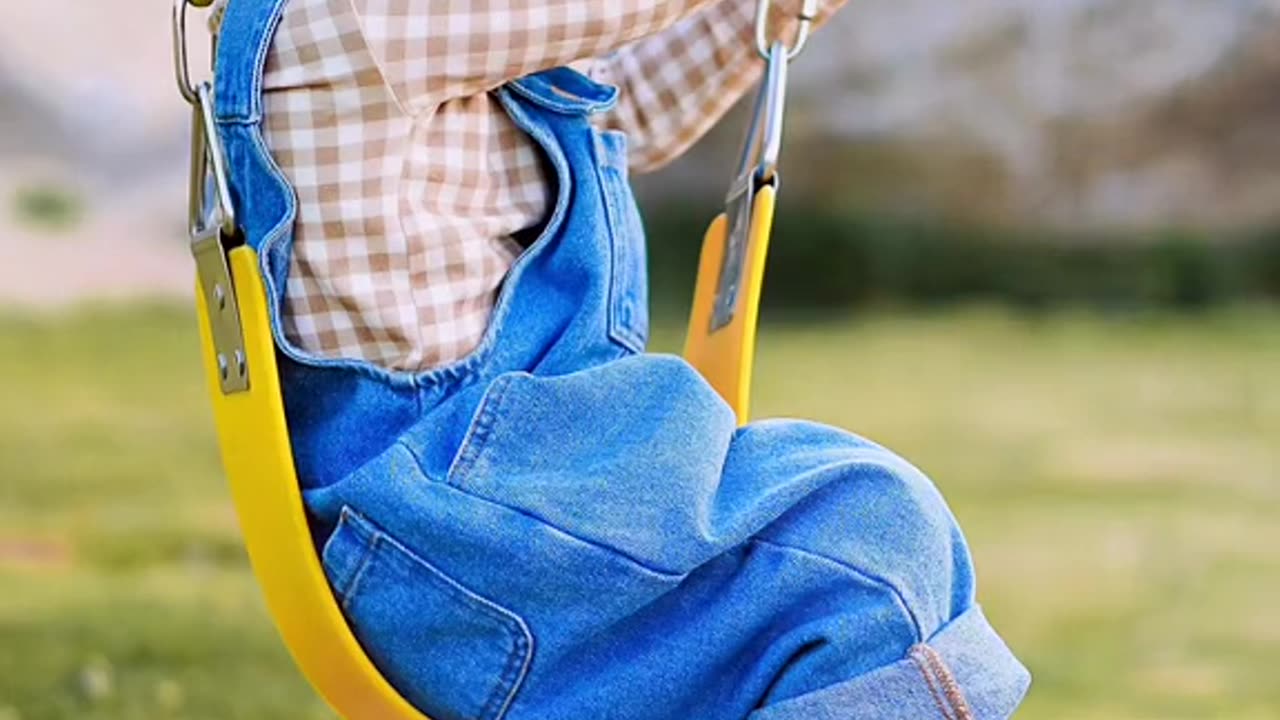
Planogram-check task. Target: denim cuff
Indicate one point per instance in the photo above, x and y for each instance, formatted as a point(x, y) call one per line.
point(964, 672)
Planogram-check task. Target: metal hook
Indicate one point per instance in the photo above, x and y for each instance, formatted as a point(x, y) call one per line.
point(808, 14)
point(757, 168)
point(181, 73)
point(180, 66)
point(206, 147)
point(763, 146)
point(208, 161)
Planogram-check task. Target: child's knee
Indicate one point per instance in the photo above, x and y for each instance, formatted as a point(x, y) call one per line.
point(881, 517)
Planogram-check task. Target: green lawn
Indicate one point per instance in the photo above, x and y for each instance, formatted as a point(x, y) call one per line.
point(1119, 481)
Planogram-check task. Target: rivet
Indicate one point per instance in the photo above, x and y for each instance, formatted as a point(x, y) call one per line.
point(240, 364)
point(220, 296)
point(222, 365)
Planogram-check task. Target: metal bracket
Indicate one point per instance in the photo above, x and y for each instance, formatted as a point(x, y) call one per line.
point(212, 229)
point(222, 308)
point(211, 217)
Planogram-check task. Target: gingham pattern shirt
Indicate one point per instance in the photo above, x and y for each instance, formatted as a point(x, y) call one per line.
point(412, 181)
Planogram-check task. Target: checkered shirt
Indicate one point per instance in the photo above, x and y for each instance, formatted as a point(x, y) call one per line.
point(411, 180)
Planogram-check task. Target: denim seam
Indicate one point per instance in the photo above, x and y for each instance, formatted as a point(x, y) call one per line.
point(503, 620)
point(576, 106)
point(344, 588)
point(260, 61)
point(519, 653)
point(947, 692)
point(477, 435)
point(252, 113)
point(473, 446)
point(353, 585)
point(657, 572)
point(931, 686)
point(897, 595)
point(619, 295)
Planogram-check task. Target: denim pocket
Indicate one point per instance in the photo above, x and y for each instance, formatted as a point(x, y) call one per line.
point(629, 284)
point(452, 653)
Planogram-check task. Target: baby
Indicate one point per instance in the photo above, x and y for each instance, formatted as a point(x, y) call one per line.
point(523, 514)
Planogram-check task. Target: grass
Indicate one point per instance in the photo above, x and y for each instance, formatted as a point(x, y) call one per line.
point(1119, 480)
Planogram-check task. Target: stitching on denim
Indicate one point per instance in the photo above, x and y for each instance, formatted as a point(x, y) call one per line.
point(248, 111)
point(929, 683)
point(870, 577)
point(530, 86)
point(520, 639)
point(260, 59)
point(951, 688)
point(619, 299)
point(477, 435)
point(353, 587)
point(344, 588)
point(513, 673)
point(519, 654)
point(660, 573)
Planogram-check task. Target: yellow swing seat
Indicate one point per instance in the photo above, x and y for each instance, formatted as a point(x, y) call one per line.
point(244, 386)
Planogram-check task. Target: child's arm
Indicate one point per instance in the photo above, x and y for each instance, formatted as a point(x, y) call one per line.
point(430, 51)
point(677, 84)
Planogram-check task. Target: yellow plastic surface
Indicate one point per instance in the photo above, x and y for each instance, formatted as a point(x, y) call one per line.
point(259, 465)
point(725, 357)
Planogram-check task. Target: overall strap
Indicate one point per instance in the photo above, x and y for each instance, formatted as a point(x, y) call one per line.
point(565, 91)
point(246, 30)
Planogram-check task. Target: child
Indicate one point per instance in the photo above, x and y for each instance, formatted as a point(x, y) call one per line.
point(523, 514)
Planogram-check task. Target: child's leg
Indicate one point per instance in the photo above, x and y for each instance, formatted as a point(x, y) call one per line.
point(894, 630)
point(649, 561)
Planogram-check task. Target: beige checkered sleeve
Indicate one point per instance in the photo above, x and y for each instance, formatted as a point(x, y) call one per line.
point(412, 181)
point(433, 50)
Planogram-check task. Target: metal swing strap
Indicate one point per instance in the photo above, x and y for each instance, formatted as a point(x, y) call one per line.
point(726, 298)
point(758, 164)
point(210, 215)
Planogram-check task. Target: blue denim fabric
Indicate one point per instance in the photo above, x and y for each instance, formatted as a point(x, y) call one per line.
point(562, 526)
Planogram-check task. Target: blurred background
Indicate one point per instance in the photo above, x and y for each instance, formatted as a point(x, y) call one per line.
point(1033, 246)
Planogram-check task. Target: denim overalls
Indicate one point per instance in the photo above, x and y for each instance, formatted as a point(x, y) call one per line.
point(561, 527)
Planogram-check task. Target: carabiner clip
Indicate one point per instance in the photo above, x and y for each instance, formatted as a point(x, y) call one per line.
point(808, 14)
point(181, 71)
point(763, 145)
point(208, 163)
point(757, 168)
point(207, 160)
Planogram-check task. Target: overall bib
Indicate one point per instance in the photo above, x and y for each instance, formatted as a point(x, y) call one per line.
point(562, 527)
